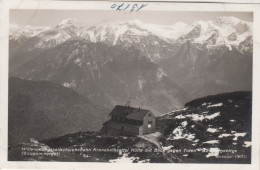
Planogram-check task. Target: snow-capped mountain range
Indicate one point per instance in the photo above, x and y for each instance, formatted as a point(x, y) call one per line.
point(186, 61)
point(220, 31)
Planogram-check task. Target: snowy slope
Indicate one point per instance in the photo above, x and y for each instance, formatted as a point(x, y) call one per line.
point(112, 32)
point(45, 37)
point(224, 30)
point(27, 32)
point(209, 126)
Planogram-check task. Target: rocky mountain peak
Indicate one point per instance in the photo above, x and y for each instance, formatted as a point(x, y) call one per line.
point(226, 20)
point(68, 23)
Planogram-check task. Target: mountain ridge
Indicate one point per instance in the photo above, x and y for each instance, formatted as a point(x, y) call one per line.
point(224, 26)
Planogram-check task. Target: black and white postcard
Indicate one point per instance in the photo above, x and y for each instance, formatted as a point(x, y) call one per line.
point(130, 82)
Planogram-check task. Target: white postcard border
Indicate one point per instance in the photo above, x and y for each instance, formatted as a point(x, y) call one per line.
point(102, 5)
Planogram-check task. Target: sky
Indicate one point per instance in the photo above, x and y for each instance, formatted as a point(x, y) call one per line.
point(91, 17)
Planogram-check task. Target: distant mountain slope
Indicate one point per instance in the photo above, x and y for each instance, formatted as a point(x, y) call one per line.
point(207, 72)
point(203, 58)
point(40, 110)
point(106, 75)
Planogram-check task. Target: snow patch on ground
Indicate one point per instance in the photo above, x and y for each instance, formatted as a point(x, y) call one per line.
point(182, 109)
point(213, 152)
point(247, 144)
point(184, 124)
point(178, 133)
point(213, 115)
point(212, 142)
point(239, 135)
point(196, 117)
point(235, 135)
point(215, 105)
point(167, 147)
point(197, 140)
point(224, 135)
point(123, 159)
point(212, 130)
point(180, 117)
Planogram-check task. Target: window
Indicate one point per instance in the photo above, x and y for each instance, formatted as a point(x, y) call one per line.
point(149, 115)
point(150, 124)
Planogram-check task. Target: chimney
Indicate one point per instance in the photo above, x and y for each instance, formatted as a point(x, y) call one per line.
point(127, 104)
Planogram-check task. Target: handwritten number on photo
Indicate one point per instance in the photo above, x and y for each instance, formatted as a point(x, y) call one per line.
point(124, 7)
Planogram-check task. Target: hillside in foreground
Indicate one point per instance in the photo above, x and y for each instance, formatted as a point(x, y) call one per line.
point(42, 110)
point(213, 129)
point(216, 125)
